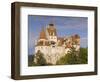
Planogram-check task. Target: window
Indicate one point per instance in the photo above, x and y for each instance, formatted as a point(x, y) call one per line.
point(53, 46)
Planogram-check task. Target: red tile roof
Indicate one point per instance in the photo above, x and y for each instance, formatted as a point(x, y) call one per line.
point(42, 34)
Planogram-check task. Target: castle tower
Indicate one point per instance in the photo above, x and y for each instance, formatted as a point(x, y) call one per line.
point(42, 40)
point(51, 33)
point(42, 43)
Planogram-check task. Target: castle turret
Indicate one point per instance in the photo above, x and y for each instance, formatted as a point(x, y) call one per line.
point(42, 43)
point(51, 33)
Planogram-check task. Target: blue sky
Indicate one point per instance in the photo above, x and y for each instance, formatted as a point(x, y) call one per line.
point(65, 26)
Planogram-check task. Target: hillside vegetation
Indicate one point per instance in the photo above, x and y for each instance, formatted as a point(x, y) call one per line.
point(73, 57)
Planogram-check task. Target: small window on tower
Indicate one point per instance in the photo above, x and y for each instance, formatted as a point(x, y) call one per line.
point(53, 33)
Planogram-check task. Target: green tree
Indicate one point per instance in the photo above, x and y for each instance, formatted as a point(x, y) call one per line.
point(74, 57)
point(62, 60)
point(83, 55)
point(40, 59)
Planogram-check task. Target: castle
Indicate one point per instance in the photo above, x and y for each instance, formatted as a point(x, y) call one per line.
point(54, 47)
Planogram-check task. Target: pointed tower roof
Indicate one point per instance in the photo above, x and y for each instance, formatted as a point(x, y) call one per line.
point(42, 34)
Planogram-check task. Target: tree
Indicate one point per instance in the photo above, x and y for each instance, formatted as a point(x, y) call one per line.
point(74, 57)
point(83, 55)
point(62, 60)
point(40, 60)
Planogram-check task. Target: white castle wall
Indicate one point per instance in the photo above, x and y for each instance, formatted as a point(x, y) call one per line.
point(43, 49)
point(51, 54)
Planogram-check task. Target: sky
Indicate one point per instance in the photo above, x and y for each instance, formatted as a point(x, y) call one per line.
point(65, 26)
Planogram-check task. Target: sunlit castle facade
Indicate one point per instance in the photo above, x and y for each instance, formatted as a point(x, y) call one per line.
point(54, 47)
